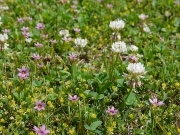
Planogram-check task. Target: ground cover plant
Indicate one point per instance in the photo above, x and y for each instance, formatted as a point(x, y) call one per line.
point(89, 67)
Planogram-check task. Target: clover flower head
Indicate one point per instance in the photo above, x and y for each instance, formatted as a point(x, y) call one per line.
point(119, 47)
point(40, 26)
point(80, 42)
point(38, 45)
point(136, 68)
point(143, 16)
point(117, 25)
point(72, 56)
point(133, 48)
point(36, 56)
point(64, 33)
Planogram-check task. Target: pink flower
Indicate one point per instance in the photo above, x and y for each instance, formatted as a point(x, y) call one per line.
point(25, 28)
point(109, 5)
point(36, 56)
point(67, 39)
point(53, 41)
point(38, 45)
point(154, 101)
point(73, 98)
point(72, 56)
point(77, 30)
point(40, 26)
point(20, 20)
point(74, 6)
point(23, 73)
point(39, 106)
point(112, 111)
point(26, 34)
point(75, 2)
point(6, 31)
point(41, 131)
point(29, 18)
point(133, 59)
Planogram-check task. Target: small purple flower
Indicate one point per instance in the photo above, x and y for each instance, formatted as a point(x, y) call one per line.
point(72, 56)
point(67, 39)
point(77, 30)
point(53, 41)
point(25, 28)
point(20, 20)
point(41, 131)
point(39, 106)
point(26, 34)
point(38, 45)
point(6, 31)
point(133, 59)
point(29, 18)
point(40, 26)
point(74, 6)
point(73, 98)
point(23, 73)
point(36, 56)
point(155, 102)
point(110, 6)
point(112, 111)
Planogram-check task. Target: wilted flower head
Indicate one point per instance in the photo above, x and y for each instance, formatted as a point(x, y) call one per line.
point(117, 25)
point(119, 47)
point(23, 73)
point(133, 48)
point(44, 35)
point(155, 102)
point(143, 16)
point(5, 47)
point(136, 68)
point(73, 98)
point(40, 26)
point(39, 106)
point(64, 33)
point(41, 131)
point(133, 58)
point(80, 42)
point(112, 110)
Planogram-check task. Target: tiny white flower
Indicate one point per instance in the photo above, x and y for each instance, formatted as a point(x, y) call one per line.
point(133, 48)
point(28, 40)
point(80, 42)
point(136, 68)
point(146, 29)
point(5, 46)
point(119, 47)
point(116, 25)
point(64, 33)
point(3, 37)
point(143, 16)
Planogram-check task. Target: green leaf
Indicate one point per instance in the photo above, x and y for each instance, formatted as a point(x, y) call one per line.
point(131, 99)
point(16, 95)
point(95, 124)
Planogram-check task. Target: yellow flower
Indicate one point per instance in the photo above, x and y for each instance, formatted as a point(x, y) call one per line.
point(71, 131)
point(93, 115)
point(114, 124)
point(31, 133)
point(163, 85)
point(177, 84)
point(16, 123)
point(65, 125)
point(169, 133)
point(1, 128)
point(178, 130)
point(131, 116)
point(2, 120)
point(61, 100)
point(9, 97)
point(77, 89)
point(109, 129)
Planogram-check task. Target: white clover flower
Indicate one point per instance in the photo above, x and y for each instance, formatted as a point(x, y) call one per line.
point(3, 37)
point(136, 68)
point(133, 48)
point(5, 46)
point(64, 33)
point(80, 42)
point(28, 40)
point(116, 25)
point(143, 16)
point(119, 47)
point(146, 29)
